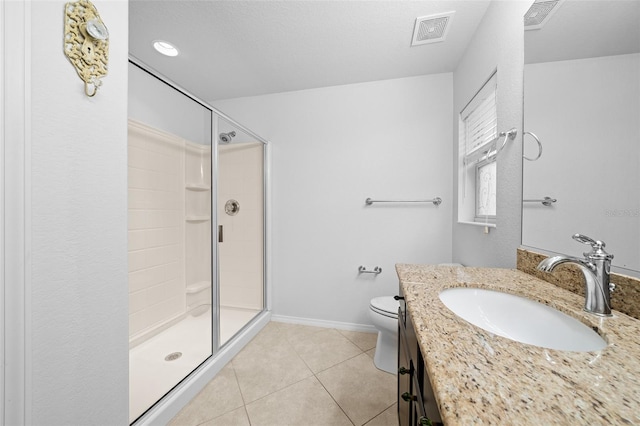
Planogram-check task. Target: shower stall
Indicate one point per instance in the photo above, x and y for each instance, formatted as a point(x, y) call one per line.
point(196, 251)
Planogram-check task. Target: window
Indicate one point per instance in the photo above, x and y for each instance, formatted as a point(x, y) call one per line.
point(477, 169)
point(486, 189)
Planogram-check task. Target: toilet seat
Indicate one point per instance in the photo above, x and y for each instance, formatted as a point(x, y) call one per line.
point(385, 305)
point(383, 313)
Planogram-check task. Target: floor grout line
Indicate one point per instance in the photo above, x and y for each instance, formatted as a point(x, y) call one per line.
point(378, 415)
point(247, 414)
point(315, 375)
point(341, 362)
point(337, 403)
point(244, 402)
point(289, 340)
point(287, 386)
point(281, 389)
point(334, 400)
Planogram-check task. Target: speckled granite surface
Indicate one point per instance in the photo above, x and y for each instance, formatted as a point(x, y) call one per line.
point(480, 378)
point(625, 298)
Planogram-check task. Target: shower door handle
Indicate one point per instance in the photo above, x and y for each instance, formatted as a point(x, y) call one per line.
point(220, 234)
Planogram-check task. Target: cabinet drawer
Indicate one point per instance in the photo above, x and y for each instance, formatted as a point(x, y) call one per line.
point(429, 404)
point(416, 401)
point(405, 379)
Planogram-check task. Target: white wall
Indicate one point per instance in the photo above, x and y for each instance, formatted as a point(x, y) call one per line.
point(586, 113)
point(77, 330)
point(331, 149)
point(497, 44)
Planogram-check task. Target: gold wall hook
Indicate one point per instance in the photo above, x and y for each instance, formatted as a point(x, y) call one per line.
point(86, 43)
point(90, 94)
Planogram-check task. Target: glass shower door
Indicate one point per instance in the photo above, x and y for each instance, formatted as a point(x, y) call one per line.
point(170, 244)
point(240, 206)
point(192, 176)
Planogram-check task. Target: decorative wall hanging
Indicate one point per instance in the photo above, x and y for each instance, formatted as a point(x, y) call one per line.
point(86, 43)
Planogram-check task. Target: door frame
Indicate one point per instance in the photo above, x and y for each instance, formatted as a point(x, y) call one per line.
point(15, 215)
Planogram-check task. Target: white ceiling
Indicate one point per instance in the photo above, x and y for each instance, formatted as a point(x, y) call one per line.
point(232, 49)
point(586, 29)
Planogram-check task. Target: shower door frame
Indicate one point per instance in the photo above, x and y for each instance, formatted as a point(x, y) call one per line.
point(169, 405)
point(214, 205)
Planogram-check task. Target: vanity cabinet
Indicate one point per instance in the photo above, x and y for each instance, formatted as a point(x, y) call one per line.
point(416, 402)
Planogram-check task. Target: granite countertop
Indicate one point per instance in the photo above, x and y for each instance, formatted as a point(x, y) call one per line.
point(481, 378)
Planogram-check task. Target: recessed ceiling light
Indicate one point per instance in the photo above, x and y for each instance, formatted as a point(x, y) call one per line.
point(165, 48)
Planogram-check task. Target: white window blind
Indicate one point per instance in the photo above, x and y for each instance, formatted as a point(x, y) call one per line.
point(477, 138)
point(480, 122)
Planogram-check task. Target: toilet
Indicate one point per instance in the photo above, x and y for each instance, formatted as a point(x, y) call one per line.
point(383, 312)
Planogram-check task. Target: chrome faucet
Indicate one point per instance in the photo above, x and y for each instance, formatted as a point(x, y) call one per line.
point(595, 267)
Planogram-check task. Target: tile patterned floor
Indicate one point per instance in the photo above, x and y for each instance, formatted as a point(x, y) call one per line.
point(292, 374)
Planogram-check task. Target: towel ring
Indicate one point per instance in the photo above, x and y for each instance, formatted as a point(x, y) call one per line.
point(539, 147)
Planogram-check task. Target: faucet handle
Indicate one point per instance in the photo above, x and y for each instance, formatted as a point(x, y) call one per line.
point(589, 241)
point(597, 247)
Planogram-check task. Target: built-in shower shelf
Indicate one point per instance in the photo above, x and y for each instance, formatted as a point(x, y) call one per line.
point(202, 218)
point(198, 287)
point(197, 187)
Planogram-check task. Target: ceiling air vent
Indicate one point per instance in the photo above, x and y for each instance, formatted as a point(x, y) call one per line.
point(431, 29)
point(539, 13)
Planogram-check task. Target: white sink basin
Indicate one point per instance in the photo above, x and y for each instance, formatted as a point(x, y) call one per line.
point(520, 319)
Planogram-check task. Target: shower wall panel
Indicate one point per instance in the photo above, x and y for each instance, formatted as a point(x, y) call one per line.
point(240, 172)
point(198, 225)
point(156, 229)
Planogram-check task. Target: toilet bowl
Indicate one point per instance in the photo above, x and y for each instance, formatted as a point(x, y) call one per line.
point(383, 312)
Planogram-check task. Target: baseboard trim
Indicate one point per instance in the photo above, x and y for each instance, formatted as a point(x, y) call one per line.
point(366, 328)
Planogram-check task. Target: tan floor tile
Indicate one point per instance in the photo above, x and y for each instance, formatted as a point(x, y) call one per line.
point(266, 365)
point(218, 397)
point(277, 382)
point(388, 417)
point(294, 332)
point(360, 389)
point(364, 341)
point(304, 403)
point(268, 338)
point(271, 325)
point(324, 349)
point(237, 417)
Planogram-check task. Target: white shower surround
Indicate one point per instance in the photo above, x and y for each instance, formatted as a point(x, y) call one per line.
point(156, 228)
point(240, 178)
point(169, 229)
